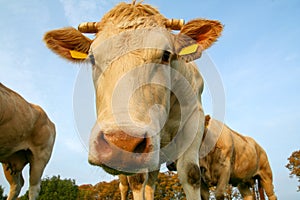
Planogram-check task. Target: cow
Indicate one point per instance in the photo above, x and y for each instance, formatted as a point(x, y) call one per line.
point(235, 159)
point(26, 136)
point(135, 184)
point(148, 91)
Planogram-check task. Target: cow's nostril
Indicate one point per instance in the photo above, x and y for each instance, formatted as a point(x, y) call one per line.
point(140, 148)
point(143, 146)
point(101, 137)
point(103, 143)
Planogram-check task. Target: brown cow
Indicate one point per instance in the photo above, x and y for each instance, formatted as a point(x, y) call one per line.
point(26, 136)
point(148, 93)
point(236, 160)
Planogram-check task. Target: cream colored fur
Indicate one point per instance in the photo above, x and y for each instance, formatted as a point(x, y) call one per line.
point(107, 73)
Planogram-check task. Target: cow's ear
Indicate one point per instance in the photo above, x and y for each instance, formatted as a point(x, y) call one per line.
point(196, 36)
point(69, 43)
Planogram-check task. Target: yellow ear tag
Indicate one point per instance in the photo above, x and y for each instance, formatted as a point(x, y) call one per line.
point(78, 55)
point(188, 50)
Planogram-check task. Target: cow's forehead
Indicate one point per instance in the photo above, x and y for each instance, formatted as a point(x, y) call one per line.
point(131, 16)
point(107, 50)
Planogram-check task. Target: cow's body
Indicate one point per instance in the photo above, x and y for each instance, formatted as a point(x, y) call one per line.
point(26, 136)
point(235, 159)
point(148, 93)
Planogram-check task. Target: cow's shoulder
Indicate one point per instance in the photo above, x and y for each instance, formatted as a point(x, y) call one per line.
point(244, 144)
point(220, 133)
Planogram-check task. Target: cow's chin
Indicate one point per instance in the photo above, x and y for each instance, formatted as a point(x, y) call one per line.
point(113, 171)
point(126, 165)
point(123, 167)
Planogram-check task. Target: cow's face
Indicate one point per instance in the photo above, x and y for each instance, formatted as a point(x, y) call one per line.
point(132, 56)
point(132, 98)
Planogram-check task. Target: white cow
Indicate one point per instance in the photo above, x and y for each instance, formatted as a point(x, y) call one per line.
point(148, 93)
point(26, 136)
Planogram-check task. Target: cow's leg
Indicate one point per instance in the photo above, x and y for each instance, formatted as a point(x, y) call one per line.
point(188, 164)
point(224, 175)
point(36, 172)
point(266, 179)
point(123, 186)
point(38, 161)
point(41, 151)
point(150, 185)
point(137, 184)
point(15, 181)
point(204, 191)
point(245, 191)
point(266, 182)
point(189, 176)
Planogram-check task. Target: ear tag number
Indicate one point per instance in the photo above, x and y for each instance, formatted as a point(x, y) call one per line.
point(188, 50)
point(78, 55)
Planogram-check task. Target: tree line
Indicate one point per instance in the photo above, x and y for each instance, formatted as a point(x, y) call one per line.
point(168, 187)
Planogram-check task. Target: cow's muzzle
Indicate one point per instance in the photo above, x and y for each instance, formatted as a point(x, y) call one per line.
point(121, 152)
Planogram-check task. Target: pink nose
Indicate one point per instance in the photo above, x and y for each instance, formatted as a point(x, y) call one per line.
point(128, 142)
point(119, 151)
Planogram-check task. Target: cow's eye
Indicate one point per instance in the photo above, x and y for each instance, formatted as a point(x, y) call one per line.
point(166, 57)
point(92, 59)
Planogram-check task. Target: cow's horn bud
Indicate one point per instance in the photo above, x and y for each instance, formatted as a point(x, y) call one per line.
point(88, 27)
point(175, 24)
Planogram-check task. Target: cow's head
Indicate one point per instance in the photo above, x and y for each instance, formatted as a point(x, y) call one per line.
point(132, 56)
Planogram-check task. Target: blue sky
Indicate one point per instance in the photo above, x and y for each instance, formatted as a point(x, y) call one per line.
point(257, 57)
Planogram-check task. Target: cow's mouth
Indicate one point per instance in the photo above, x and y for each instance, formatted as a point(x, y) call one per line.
point(126, 164)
